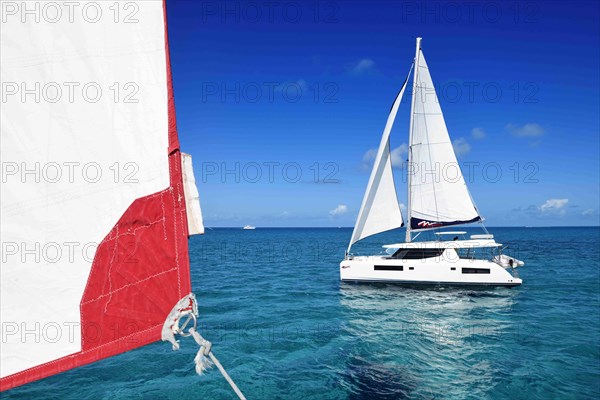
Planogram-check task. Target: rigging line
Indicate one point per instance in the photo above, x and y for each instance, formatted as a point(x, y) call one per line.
point(473, 201)
point(393, 181)
point(389, 148)
point(205, 350)
point(403, 85)
point(377, 172)
point(422, 144)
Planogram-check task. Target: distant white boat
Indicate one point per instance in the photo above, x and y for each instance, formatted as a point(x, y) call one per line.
point(434, 202)
point(249, 227)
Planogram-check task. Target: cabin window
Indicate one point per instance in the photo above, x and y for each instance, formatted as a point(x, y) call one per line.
point(417, 254)
point(389, 268)
point(452, 268)
point(475, 270)
point(411, 268)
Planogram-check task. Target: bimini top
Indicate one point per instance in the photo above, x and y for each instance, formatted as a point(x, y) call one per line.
point(453, 244)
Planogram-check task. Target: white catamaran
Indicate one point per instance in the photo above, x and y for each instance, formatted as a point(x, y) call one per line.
point(437, 197)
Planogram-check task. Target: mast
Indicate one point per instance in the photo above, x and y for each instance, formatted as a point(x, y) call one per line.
point(410, 131)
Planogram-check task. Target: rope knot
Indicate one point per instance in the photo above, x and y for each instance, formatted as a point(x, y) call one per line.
point(184, 312)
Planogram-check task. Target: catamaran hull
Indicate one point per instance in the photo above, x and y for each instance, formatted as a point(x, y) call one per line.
point(426, 272)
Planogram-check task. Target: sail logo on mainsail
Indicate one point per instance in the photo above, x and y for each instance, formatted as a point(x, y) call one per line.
point(427, 224)
point(418, 223)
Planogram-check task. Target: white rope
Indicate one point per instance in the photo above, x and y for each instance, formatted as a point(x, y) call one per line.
point(202, 363)
point(187, 307)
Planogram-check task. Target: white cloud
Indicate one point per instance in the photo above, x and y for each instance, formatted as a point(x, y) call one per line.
point(362, 66)
point(588, 212)
point(461, 147)
point(527, 130)
point(398, 156)
point(478, 133)
point(554, 206)
point(339, 210)
point(369, 156)
point(368, 159)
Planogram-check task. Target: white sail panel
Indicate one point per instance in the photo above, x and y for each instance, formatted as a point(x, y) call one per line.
point(380, 210)
point(439, 195)
point(192, 197)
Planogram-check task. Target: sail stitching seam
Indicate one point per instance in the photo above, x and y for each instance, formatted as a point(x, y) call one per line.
point(162, 205)
point(128, 285)
point(110, 265)
point(171, 189)
point(134, 232)
point(177, 245)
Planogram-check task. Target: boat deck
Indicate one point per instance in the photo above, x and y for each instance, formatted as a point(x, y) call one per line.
point(446, 244)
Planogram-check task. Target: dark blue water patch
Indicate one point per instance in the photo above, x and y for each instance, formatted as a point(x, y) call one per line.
point(367, 380)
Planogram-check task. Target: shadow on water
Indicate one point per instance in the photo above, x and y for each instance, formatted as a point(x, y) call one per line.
point(369, 380)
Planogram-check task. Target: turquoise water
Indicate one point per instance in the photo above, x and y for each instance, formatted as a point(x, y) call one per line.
point(285, 328)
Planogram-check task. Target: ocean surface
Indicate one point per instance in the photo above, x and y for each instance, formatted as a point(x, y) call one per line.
point(284, 327)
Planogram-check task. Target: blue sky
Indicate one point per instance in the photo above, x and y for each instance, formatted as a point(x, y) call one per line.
point(280, 102)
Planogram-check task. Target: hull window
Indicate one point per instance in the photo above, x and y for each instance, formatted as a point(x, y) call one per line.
point(389, 268)
point(417, 254)
point(475, 270)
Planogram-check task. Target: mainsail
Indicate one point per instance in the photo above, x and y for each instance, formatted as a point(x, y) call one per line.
point(93, 201)
point(438, 192)
point(380, 210)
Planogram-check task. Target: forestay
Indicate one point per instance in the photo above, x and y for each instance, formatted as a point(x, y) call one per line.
point(380, 210)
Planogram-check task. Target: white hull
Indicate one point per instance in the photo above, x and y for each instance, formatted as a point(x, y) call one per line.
point(428, 271)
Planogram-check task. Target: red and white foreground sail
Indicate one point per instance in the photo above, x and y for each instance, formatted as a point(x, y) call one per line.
point(97, 201)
